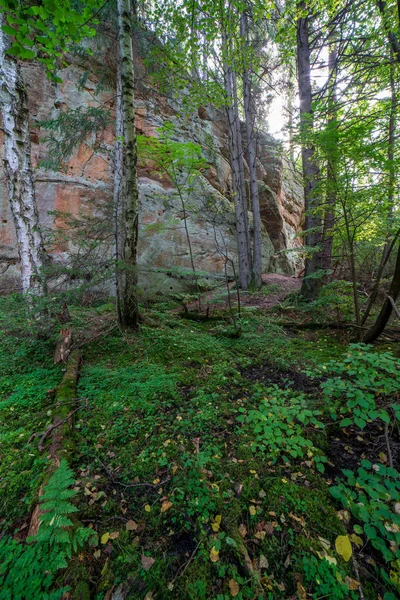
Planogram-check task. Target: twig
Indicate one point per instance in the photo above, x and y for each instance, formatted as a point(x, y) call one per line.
point(130, 485)
point(100, 334)
point(54, 426)
point(358, 578)
point(388, 448)
point(179, 574)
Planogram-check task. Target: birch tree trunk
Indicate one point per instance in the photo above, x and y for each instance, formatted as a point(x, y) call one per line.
point(127, 275)
point(18, 169)
point(255, 203)
point(118, 195)
point(310, 286)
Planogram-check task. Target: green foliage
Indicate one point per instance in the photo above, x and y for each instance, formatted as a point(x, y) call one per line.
point(372, 495)
point(337, 297)
point(365, 386)
point(46, 30)
point(325, 579)
point(28, 571)
point(278, 426)
point(69, 130)
point(172, 156)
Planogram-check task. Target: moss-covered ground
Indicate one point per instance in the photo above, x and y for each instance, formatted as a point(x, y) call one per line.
point(186, 504)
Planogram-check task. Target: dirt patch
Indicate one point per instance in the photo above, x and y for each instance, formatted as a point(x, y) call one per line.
point(214, 301)
point(347, 447)
point(285, 378)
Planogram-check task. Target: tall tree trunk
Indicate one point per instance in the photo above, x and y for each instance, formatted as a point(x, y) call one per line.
point(128, 277)
point(331, 175)
point(311, 284)
point(119, 196)
point(375, 331)
point(240, 210)
point(290, 111)
point(240, 152)
point(391, 193)
point(18, 168)
point(255, 203)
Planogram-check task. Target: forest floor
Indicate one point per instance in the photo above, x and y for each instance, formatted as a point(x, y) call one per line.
point(204, 453)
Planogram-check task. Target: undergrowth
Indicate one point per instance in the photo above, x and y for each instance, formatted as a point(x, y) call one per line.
point(200, 481)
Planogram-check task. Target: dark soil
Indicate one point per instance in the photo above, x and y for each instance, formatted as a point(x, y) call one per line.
point(285, 378)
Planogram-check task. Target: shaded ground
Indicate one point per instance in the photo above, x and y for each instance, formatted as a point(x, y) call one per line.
point(274, 290)
point(166, 470)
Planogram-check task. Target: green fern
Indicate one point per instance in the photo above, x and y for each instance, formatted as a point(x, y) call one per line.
point(27, 571)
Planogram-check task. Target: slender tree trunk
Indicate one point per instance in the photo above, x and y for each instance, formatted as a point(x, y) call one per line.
point(128, 277)
point(375, 331)
point(119, 196)
point(18, 168)
point(241, 235)
point(255, 203)
point(331, 195)
point(290, 111)
point(311, 284)
point(243, 193)
point(391, 195)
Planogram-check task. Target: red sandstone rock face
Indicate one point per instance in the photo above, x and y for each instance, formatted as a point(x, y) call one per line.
point(84, 186)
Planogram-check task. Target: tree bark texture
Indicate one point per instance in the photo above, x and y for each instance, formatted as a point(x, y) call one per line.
point(310, 286)
point(118, 195)
point(391, 195)
point(18, 169)
point(251, 153)
point(240, 205)
point(375, 331)
point(128, 276)
point(331, 196)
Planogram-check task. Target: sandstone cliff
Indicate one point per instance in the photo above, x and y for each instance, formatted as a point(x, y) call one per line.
point(86, 181)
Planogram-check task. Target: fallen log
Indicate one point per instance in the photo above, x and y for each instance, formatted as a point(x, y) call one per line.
point(60, 430)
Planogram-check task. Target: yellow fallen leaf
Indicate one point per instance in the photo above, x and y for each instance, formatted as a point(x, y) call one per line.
point(217, 523)
point(104, 538)
point(214, 555)
point(352, 583)
point(284, 480)
point(166, 506)
point(356, 540)
point(234, 587)
point(343, 547)
point(155, 481)
point(147, 508)
point(242, 530)
point(300, 520)
point(301, 592)
point(252, 510)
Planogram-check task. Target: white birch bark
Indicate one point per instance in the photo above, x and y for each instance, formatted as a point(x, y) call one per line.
point(18, 169)
point(118, 194)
